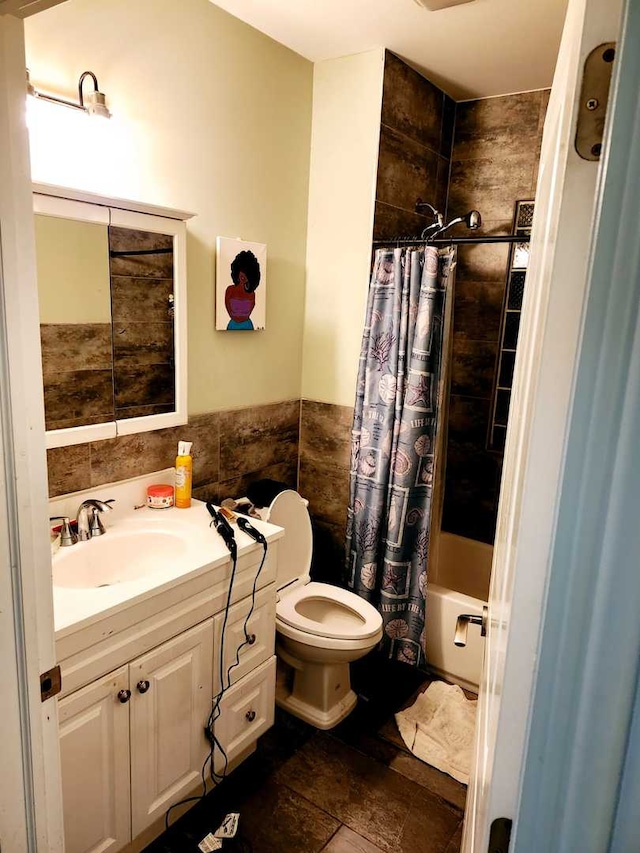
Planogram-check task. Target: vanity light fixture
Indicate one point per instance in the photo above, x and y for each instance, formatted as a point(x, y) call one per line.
point(94, 103)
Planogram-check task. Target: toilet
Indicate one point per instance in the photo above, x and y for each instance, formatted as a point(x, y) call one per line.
point(320, 628)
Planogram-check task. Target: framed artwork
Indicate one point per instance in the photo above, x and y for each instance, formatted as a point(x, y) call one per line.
point(241, 285)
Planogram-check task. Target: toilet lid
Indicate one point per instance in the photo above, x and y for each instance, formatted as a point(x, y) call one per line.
point(289, 510)
point(329, 611)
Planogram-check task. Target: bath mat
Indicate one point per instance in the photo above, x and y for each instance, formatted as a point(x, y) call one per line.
point(438, 728)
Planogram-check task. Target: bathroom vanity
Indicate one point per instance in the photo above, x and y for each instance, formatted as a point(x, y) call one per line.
point(140, 654)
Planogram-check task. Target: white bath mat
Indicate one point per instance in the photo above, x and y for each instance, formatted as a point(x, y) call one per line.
point(438, 729)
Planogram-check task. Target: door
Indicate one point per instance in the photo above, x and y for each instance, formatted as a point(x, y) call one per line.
point(535, 449)
point(30, 795)
point(94, 749)
point(172, 688)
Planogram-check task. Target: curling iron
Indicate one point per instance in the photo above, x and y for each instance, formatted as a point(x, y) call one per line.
point(225, 531)
point(250, 530)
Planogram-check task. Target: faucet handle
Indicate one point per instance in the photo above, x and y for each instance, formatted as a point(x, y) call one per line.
point(67, 536)
point(96, 527)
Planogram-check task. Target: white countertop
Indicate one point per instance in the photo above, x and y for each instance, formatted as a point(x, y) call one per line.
point(204, 550)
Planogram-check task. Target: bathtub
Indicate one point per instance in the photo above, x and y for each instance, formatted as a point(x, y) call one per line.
point(458, 583)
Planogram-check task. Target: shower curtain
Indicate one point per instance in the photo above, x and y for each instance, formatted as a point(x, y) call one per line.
point(400, 400)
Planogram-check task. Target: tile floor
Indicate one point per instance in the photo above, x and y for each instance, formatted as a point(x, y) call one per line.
point(356, 789)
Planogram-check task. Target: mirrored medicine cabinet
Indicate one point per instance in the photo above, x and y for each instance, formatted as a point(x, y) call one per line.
point(112, 301)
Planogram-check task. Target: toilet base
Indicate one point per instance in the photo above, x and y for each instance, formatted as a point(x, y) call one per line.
point(320, 694)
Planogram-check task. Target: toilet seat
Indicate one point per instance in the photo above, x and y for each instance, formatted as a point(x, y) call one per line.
point(324, 610)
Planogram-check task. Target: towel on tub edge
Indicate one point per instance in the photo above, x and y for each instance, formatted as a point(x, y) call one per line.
point(438, 728)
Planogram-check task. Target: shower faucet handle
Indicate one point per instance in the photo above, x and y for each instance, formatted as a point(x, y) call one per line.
point(462, 626)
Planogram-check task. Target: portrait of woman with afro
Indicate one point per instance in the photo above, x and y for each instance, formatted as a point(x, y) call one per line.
point(240, 297)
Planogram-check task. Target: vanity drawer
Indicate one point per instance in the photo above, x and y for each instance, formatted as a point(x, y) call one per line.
point(261, 629)
point(246, 712)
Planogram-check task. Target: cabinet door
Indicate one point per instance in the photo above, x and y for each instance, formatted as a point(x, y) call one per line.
point(171, 701)
point(94, 747)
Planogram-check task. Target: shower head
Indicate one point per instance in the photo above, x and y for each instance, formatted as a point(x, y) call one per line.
point(473, 220)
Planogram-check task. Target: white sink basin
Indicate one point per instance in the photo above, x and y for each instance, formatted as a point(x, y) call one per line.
point(118, 557)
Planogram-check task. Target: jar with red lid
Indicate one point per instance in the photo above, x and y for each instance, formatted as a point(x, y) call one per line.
point(160, 496)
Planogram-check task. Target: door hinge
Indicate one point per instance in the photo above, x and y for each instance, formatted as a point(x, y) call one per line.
point(500, 835)
point(50, 683)
point(594, 97)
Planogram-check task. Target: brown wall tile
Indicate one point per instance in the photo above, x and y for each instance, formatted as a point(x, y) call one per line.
point(236, 487)
point(75, 397)
point(485, 261)
point(131, 240)
point(326, 487)
point(491, 184)
point(391, 222)
point(74, 346)
point(325, 433)
point(468, 420)
point(448, 126)
point(148, 385)
point(509, 124)
point(255, 438)
point(473, 367)
point(142, 343)
point(68, 469)
point(131, 455)
point(478, 310)
point(140, 300)
point(406, 170)
point(411, 103)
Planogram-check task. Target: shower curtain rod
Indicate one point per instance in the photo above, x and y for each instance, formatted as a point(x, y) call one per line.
point(455, 241)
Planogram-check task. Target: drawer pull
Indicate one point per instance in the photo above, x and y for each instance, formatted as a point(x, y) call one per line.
point(124, 696)
point(250, 716)
point(251, 639)
point(143, 686)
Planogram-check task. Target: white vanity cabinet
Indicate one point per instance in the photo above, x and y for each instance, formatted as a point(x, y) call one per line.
point(137, 694)
point(133, 743)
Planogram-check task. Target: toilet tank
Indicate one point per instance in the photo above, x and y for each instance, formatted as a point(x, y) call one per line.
point(289, 510)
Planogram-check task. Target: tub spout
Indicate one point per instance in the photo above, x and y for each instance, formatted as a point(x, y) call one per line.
point(462, 626)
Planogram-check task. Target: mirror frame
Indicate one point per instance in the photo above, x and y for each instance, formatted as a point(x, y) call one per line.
point(65, 203)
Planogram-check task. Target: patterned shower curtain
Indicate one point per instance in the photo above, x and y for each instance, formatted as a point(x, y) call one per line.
point(394, 440)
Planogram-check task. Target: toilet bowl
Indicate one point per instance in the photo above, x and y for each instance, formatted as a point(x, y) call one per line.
point(320, 628)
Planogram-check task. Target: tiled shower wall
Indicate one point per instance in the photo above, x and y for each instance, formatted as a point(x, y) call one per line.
point(495, 157)
point(416, 133)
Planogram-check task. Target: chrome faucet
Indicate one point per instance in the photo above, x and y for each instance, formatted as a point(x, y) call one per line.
point(88, 527)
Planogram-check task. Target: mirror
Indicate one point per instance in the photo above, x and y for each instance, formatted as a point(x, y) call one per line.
point(108, 287)
point(141, 274)
point(75, 321)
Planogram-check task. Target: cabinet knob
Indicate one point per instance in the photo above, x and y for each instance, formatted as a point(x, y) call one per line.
point(251, 639)
point(250, 716)
point(124, 696)
point(143, 686)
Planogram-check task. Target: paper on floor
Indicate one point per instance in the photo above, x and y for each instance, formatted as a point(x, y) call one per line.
point(438, 728)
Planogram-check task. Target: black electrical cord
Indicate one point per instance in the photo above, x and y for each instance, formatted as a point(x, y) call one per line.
point(215, 713)
point(240, 844)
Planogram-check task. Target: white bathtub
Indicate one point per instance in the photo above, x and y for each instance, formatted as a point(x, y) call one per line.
point(458, 583)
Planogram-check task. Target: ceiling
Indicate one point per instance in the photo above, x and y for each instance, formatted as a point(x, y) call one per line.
point(482, 48)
